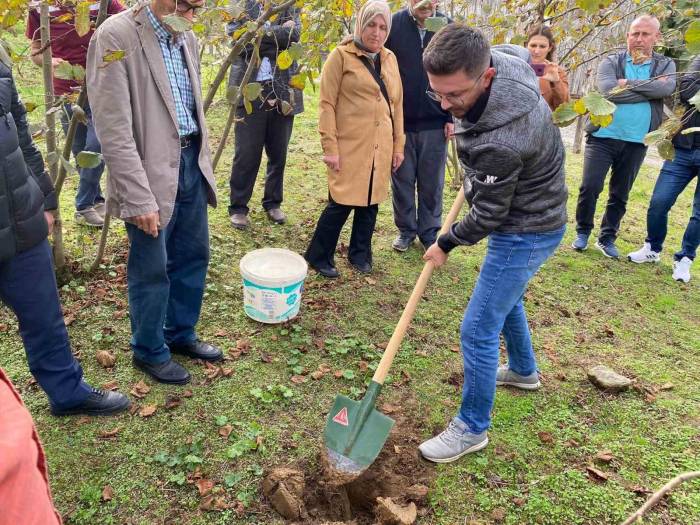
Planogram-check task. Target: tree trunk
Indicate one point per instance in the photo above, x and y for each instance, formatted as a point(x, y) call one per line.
point(59, 254)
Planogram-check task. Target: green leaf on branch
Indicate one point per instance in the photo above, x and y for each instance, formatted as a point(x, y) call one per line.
point(248, 106)
point(654, 137)
point(177, 23)
point(68, 71)
point(286, 108)
point(690, 130)
point(67, 165)
point(435, 23)
point(232, 94)
point(597, 105)
point(113, 55)
point(29, 106)
point(692, 37)
point(298, 82)
point(252, 91)
point(284, 60)
point(564, 114)
point(82, 18)
point(602, 121)
point(590, 6)
point(580, 107)
point(666, 150)
point(296, 50)
point(88, 159)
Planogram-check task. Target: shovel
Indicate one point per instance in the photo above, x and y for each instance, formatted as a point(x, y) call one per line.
point(355, 432)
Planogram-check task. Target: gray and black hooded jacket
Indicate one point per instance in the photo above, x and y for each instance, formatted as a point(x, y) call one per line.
point(513, 158)
point(25, 188)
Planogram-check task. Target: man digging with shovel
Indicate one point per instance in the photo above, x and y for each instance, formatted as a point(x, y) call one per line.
point(514, 181)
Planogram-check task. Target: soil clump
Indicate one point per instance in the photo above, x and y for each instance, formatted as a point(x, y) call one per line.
point(392, 491)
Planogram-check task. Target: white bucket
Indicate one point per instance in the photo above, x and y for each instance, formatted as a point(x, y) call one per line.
point(273, 279)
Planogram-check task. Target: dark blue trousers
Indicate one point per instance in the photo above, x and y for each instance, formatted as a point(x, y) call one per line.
point(166, 274)
point(28, 287)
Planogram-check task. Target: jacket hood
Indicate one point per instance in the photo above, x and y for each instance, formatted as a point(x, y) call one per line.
point(515, 90)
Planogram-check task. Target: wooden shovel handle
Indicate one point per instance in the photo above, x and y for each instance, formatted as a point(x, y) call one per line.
point(410, 308)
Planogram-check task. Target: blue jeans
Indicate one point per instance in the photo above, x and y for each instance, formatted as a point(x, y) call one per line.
point(89, 192)
point(675, 175)
point(28, 287)
point(166, 274)
point(496, 306)
point(421, 173)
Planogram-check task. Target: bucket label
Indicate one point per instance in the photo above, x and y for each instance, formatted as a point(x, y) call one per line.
point(342, 417)
point(269, 304)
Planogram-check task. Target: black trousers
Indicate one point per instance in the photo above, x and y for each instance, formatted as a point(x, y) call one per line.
point(264, 127)
point(322, 247)
point(602, 154)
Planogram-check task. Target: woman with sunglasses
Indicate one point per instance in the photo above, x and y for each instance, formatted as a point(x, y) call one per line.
point(361, 127)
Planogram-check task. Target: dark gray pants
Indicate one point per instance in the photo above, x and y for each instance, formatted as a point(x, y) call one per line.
point(422, 172)
point(624, 160)
point(262, 128)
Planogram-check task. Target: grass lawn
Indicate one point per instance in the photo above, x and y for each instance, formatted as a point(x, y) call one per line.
point(583, 309)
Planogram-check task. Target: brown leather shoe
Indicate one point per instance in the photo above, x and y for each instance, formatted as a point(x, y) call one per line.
point(239, 221)
point(277, 216)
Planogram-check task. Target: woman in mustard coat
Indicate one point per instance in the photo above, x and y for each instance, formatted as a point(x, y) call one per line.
point(361, 127)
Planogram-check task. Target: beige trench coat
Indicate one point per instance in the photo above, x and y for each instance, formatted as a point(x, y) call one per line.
point(135, 119)
point(355, 123)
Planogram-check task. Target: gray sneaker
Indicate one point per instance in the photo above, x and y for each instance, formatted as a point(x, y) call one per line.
point(239, 221)
point(101, 208)
point(401, 243)
point(453, 443)
point(89, 217)
point(505, 376)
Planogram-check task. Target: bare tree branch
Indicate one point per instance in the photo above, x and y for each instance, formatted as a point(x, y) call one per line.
point(656, 497)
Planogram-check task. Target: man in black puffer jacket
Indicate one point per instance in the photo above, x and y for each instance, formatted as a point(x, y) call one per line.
point(27, 280)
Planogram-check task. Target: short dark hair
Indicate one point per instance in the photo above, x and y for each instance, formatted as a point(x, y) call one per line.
point(457, 47)
point(545, 31)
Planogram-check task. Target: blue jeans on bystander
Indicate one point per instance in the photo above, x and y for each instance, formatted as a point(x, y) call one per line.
point(496, 306)
point(28, 287)
point(166, 274)
point(675, 176)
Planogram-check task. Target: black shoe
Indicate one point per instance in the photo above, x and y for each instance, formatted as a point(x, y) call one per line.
point(170, 372)
point(364, 267)
point(98, 403)
point(197, 350)
point(327, 271)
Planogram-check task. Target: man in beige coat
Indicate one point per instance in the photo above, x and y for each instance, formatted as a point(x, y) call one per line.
point(148, 114)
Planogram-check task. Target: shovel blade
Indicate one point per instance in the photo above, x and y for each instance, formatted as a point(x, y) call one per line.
point(342, 422)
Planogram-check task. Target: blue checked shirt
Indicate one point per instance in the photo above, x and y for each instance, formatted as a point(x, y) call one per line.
point(179, 77)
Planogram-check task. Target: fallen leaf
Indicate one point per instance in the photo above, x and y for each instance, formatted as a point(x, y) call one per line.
point(187, 393)
point(605, 456)
point(363, 366)
point(266, 358)
point(518, 502)
point(225, 431)
point(320, 343)
point(388, 408)
point(108, 434)
point(258, 441)
point(110, 385)
point(133, 409)
point(498, 514)
point(221, 333)
point(642, 491)
point(667, 386)
point(226, 372)
point(455, 349)
point(107, 493)
point(609, 332)
point(545, 437)
point(561, 376)
point(318, 374)
point(148, 410)
point(397, 449)
point(140, 389)
point(172, 401)
point(211, 371)
point(297, 380)
point(572, 443)
point(105, 358)
point(338, 374)
point(211, 503)
point(370, 281)
point(204, 486)
point(596, 475)
point(82, 420)
point(323, 367)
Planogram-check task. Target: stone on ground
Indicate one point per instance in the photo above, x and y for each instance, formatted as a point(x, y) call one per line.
point(390, 513)
point(284, 487)
point(608, 380)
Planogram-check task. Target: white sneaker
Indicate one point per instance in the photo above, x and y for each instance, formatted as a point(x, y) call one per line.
point(681, 269)
point(645, 255)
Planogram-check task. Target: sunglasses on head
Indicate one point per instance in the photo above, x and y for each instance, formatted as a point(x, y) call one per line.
point(185, 7)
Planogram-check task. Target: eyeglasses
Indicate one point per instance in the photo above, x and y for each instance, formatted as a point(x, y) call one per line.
point(453, 98)
point(185, 7)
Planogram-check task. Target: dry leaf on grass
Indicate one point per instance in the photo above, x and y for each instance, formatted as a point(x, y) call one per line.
point(109, 434)
point(105, 358)
point(148, 410)
point(110, 385)
point(172, 401)
point(107, 493)
point(204, 486)
point(596, 475)
point(140, 389)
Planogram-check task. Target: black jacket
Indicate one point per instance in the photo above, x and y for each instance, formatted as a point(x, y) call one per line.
point(25, 188)
point(689, 87)
point(420, 112)
point(513, 158)
point(275, 40)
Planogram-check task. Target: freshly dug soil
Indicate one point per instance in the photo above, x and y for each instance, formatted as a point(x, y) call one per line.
point(392, 491)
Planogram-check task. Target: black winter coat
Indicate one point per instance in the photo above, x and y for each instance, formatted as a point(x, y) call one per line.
point(25, 188)
point(689, 87)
